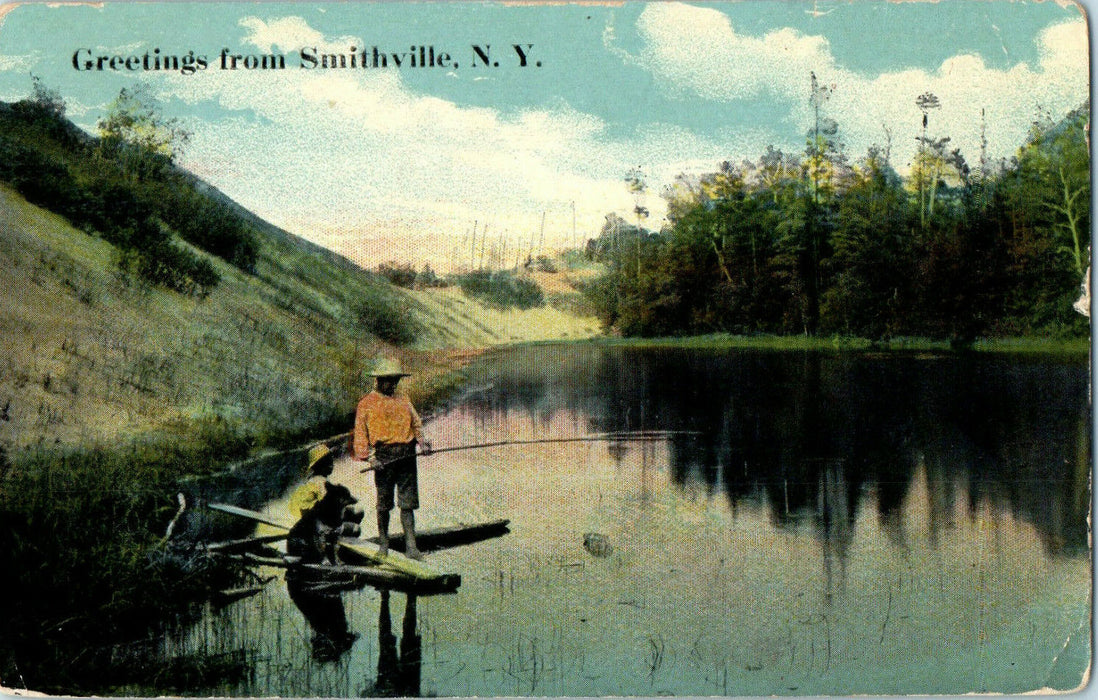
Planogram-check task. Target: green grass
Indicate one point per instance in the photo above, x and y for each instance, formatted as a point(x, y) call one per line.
point(81, 545)
point(1073, 346)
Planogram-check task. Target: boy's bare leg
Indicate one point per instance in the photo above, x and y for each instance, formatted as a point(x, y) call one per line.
point(383, 532)
point(408, 522)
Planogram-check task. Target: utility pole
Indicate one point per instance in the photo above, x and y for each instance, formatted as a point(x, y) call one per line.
point(575, 244)
point(541, 238)
point(473, 248)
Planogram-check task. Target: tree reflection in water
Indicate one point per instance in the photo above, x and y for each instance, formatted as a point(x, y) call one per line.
point(813, 434)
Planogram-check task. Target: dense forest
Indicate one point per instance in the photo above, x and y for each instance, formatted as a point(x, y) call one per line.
point(815, 244)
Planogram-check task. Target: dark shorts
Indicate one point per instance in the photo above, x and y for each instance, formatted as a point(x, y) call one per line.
point(399, 473)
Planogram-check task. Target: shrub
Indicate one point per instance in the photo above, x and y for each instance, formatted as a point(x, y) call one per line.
point(545, 264)
point(428, 278)
point(402, 275)
point(382, 314)
point(501, 289)
point(155, 259)
point(210, 225)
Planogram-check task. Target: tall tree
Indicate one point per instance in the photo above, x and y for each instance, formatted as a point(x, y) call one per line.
point(1056, 160)
point(872, 254)
point(925, 102)
point(136, 130)
point(823, 159)
point(637, 184)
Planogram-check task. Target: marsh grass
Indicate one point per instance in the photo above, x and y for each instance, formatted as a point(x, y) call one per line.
point(83, 551)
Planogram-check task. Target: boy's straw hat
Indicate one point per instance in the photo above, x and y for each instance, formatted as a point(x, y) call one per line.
point(388, 367)
point(318, 454)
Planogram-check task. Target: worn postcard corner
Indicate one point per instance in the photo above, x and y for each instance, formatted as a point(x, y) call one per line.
point(469, 349)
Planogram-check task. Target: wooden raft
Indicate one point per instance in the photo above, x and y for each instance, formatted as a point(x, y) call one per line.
point(406, 570)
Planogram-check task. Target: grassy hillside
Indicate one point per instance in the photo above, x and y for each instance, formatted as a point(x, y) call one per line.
point(150, 300)
point(91, 353)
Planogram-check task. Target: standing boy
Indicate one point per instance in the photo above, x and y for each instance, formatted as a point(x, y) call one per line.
point(387, 430)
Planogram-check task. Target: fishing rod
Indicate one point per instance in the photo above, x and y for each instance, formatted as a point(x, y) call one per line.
point(636, 436)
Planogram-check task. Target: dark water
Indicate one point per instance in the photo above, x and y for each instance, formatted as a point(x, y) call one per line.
point(839, 523)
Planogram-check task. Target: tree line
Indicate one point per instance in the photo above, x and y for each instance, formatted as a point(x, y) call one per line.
point(816, 244)
point(124, 187)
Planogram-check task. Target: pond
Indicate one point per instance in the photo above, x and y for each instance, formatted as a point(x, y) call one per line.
point(825, 523)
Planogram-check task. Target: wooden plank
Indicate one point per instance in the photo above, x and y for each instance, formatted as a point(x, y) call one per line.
point(392, 560)
point(246, 543)
point(397, 561)
point(377, 576)
point(249, 514)
point(433, 539)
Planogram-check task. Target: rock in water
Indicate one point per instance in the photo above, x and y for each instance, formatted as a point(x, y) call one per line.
point(597, 544)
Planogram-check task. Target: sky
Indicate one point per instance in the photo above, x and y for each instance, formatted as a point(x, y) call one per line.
point(388, 163)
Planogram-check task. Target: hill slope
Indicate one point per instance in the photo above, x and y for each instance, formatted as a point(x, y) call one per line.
point(90, 353)
point(149, 299)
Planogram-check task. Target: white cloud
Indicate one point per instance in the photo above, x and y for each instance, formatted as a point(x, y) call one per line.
point(698, 50)
point(965, 85)
point(339, 156)
point(17, 63)
point(288, 34)
point(353, 159)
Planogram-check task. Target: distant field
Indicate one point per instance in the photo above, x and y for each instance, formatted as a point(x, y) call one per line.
point(454, 320)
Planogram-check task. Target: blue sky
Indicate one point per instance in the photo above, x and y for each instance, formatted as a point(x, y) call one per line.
point(399, 163)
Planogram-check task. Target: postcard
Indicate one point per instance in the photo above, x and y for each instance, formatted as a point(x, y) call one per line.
point(492, 349)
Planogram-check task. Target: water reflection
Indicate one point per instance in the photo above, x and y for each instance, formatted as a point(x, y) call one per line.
point(399, 661)
point(843, 524)
point(398, 665)
point(812, 435)
point(321, 604)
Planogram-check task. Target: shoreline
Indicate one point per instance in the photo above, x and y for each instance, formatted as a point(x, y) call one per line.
point(722, 341)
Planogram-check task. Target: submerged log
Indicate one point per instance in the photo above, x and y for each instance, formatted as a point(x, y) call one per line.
point(231, 595)
point(377, 576)
point(241, 544)
point(381, 578)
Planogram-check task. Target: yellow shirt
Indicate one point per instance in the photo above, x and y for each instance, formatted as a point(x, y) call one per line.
point(307, 495)
point(386, 420)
